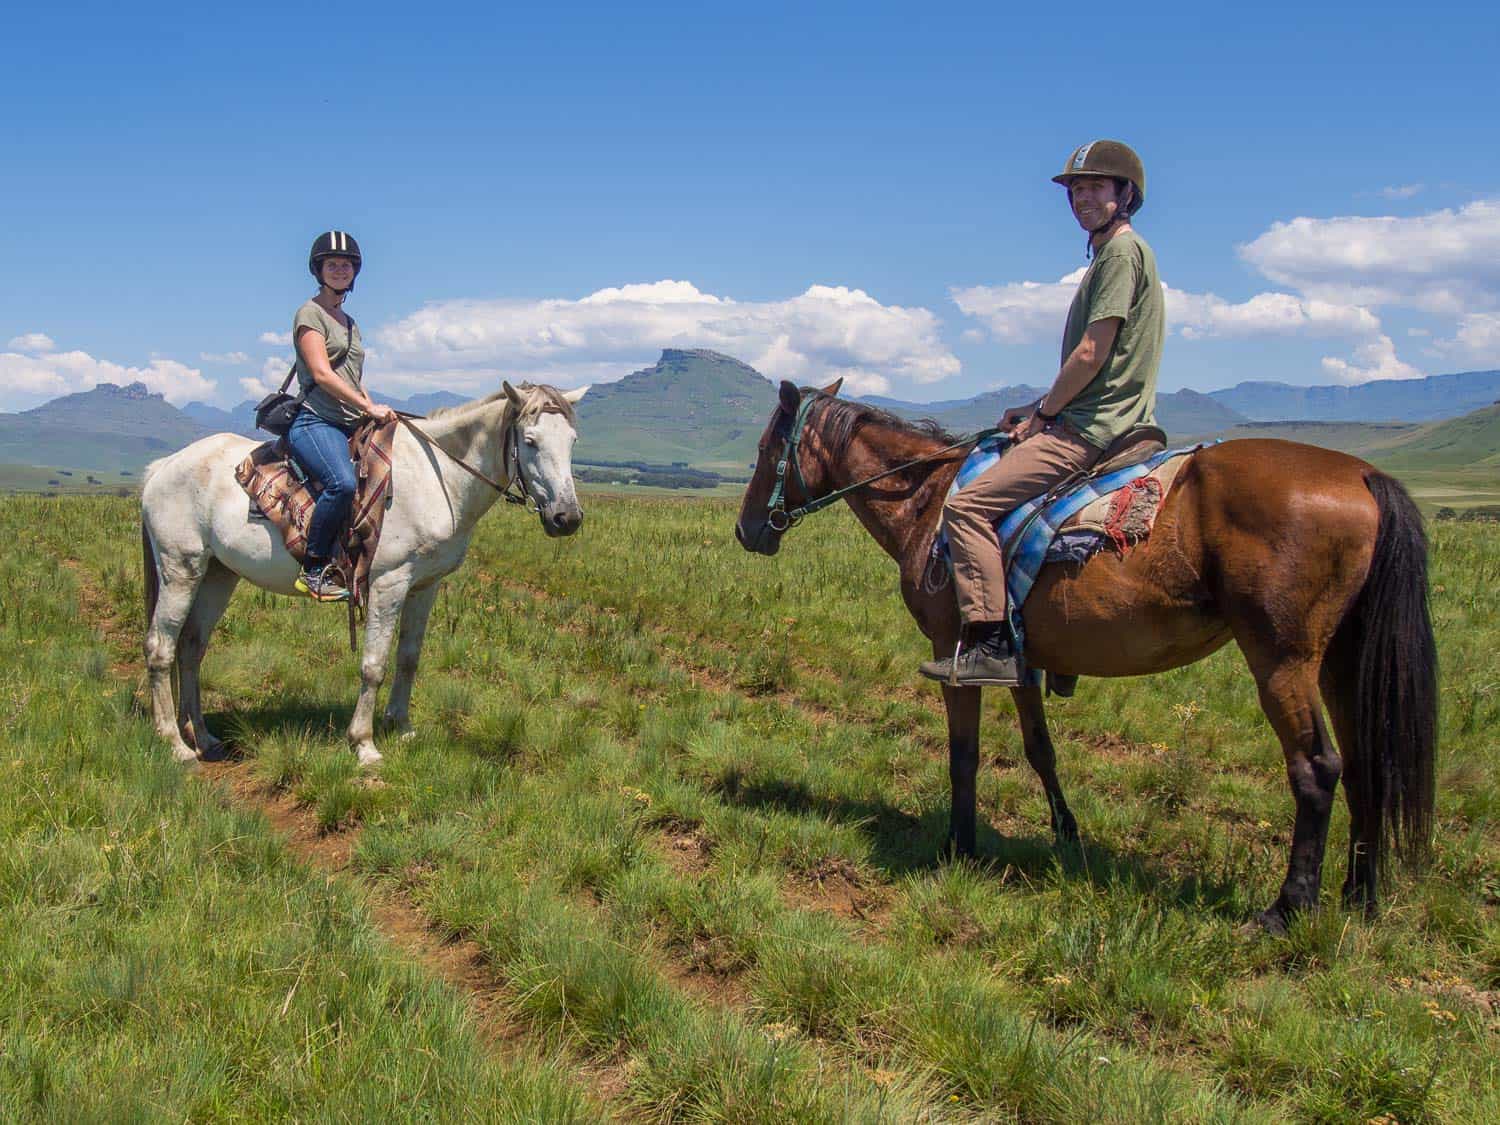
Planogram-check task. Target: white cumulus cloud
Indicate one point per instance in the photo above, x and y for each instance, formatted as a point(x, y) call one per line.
point(60, 373)
point(224, 357)
point(1373, 360)
point(31, 343)
point(1200, 315)
point(823, 333)
point(1021, 312)
point(1402, 191)
point(284, 339)
point(1031, 311)
point(1444, 262)
point(1476, 341)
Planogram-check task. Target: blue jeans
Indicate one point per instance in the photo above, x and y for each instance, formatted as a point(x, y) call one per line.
point(322, 449)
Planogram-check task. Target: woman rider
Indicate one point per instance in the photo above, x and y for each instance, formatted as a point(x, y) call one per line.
point(330, 368)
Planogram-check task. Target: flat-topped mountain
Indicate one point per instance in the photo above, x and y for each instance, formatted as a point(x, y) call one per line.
point(108, 429)
point(693, 405)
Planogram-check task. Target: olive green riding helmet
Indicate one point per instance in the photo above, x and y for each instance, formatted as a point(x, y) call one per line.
point(1107, 158)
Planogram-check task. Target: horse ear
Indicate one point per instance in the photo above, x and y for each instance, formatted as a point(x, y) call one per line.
point(791, 397)
point(574, 396)
point(833, 387)
point(511, 393)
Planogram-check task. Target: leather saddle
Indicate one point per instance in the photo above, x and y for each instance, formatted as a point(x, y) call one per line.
point(1135, 445)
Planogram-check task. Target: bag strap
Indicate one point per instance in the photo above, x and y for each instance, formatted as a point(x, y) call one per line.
point(348, 347)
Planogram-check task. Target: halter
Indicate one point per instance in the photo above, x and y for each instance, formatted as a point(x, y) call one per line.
point(776, 505)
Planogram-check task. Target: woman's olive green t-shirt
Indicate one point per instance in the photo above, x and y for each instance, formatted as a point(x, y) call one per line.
point(350, 369)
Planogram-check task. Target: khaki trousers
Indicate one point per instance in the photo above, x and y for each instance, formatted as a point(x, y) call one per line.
point(1023, 471)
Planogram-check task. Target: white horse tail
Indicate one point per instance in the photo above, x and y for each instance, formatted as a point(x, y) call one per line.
point(152, 589)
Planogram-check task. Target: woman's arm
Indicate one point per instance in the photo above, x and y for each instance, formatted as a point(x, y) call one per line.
point(312, 346)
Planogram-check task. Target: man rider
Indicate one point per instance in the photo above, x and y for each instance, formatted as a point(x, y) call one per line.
point(1111, 350)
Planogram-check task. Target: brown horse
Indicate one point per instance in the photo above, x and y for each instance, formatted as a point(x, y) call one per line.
point(1312, 561)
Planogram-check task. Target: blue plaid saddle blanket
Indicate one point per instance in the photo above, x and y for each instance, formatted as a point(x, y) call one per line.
point(1033, 528)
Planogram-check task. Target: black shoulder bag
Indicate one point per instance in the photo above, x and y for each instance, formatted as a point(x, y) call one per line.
point(275, 412)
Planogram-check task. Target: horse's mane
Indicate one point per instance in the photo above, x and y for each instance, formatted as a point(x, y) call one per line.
point(842, 418)
point(536, 399)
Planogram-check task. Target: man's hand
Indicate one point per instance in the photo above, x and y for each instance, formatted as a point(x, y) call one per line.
point(1033, 423)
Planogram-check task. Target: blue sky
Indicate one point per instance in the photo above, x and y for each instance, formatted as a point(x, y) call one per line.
point(819, 189)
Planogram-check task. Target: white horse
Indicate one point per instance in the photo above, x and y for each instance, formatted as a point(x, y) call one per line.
point(199, 541)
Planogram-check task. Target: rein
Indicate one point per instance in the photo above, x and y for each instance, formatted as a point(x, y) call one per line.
point(508, 491)
point(782, 520)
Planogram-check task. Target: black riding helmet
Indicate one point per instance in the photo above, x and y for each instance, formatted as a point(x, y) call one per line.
point(333, 244)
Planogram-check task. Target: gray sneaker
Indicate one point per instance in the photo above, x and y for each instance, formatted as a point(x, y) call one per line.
point(990, 662)
point(322, 585)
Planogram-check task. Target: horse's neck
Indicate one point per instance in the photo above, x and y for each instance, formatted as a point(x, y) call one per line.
point(902, 510)
point(473, 436)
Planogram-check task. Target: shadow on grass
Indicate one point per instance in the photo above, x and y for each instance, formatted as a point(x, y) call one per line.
point(244, 726)
point(904, 843)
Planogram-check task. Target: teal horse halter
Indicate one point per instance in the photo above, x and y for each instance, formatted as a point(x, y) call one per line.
point(776, 505)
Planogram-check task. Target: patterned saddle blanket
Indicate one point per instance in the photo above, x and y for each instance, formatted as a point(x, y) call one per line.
point(1071, 524)
point(279, 493)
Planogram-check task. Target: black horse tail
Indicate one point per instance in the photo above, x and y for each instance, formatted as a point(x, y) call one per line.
point(152, 579)
point(1385, 642)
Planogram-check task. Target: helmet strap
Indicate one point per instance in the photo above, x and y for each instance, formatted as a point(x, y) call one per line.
point(1123, 199)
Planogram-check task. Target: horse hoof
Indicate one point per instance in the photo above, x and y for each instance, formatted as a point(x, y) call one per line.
point(408, 734)
point(369, 757)
point(184, 753)
point(1271, 921)
point(216, 751)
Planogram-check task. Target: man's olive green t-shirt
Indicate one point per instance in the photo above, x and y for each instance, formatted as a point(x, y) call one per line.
point(350, 369)
point(1120, 282)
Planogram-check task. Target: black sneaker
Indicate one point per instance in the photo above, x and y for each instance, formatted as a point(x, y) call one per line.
point(988, 662)
point(322, 585)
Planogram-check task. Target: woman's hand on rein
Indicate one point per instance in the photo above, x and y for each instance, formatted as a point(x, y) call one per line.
point(381, 413)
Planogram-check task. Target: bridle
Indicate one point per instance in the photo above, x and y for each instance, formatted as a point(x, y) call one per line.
point(511, 491)
point(782, 520)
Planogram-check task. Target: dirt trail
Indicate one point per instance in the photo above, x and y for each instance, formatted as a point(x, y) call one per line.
point(460, 963)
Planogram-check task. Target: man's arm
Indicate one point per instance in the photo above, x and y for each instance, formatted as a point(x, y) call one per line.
point(1078, 371)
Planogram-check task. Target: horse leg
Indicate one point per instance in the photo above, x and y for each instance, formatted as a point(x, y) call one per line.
point(414, 615)
point(208, 606)
point(380, 630)
point(179, 583)
point(1359, 890)
point(963, 765)
point(1043, 758)
point(1289, 697)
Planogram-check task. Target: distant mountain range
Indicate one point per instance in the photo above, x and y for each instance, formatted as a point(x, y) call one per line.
point(707, 410)
point(1383, 400)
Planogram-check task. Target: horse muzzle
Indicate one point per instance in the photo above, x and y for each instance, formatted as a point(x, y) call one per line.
point(564, 521)
point(763, 539)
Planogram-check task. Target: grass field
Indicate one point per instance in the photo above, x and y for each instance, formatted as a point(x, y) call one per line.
point(678, 810)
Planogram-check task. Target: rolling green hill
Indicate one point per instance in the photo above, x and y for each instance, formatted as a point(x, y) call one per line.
point(1470, 441)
